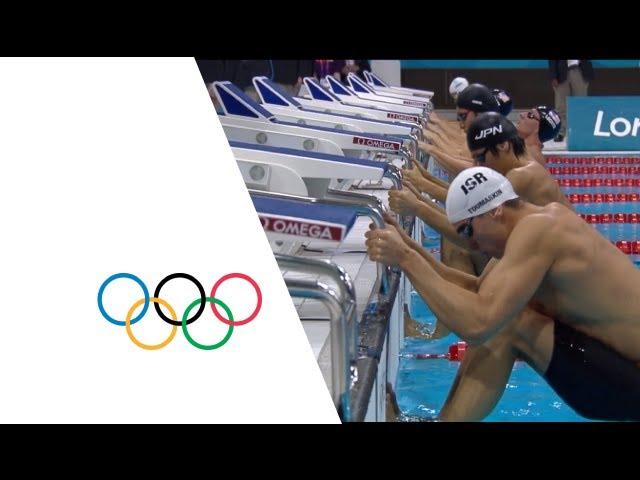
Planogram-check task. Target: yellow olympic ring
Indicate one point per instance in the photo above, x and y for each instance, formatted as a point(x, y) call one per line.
point(127, 324)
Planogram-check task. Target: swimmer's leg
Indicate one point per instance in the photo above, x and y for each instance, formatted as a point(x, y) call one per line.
point(480, 381)
point(575, 365)
point(458, 258)
point(485, 370)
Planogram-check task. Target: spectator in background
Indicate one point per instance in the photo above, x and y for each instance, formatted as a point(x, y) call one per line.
point(362, 66)
point(322, 68)
point(211, 70)
point(352, 66)
point(568, 78)
point(245, 70)
point(339, 69)
point(288, 74)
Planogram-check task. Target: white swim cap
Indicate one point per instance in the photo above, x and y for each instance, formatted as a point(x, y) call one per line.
point(475, 191)
point(457, 85)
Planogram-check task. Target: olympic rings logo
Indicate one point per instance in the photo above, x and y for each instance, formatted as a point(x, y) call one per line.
point(174, 322)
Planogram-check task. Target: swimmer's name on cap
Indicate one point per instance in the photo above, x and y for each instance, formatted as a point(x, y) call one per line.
point(475, 191)
point(484, 201)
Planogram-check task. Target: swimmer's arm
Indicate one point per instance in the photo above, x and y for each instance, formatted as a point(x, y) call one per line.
point(437, 181)
point(443, 135)
point(465, 154)
point(436, 218)
point(448, 126)
point(409, 201)
point(452, 132)
point(439, 140)
point(457, 133)
point(441, 155)
point(436, 191)
point(453, 126)
point(453, 275)
point(503, 293)
point(488, 267)
point(435, 118)
point(437, 133)
point(432, 178)
point(520, 182)
point(462, 279)
point(449, 143)
point(452, 164)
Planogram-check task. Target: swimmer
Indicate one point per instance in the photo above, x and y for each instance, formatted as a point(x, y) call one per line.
point(457, 85)
point(494, 142)
point(472, 101)
point(538, 125)
point(560, 295)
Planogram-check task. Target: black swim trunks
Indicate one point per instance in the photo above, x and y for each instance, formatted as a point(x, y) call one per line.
point(593, 379)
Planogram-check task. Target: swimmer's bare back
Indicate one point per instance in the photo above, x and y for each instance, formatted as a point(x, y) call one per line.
point(590, 284)
point(534, 183)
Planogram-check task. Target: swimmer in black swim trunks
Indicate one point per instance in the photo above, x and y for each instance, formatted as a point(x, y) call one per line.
point(552, 265)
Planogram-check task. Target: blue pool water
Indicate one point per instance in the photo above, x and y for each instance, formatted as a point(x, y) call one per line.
point(422, 386)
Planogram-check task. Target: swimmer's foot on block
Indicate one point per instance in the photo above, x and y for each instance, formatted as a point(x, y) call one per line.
point(440, 331)
point(415, 329)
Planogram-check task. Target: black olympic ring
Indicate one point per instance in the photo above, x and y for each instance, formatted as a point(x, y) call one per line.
point(191, 278)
